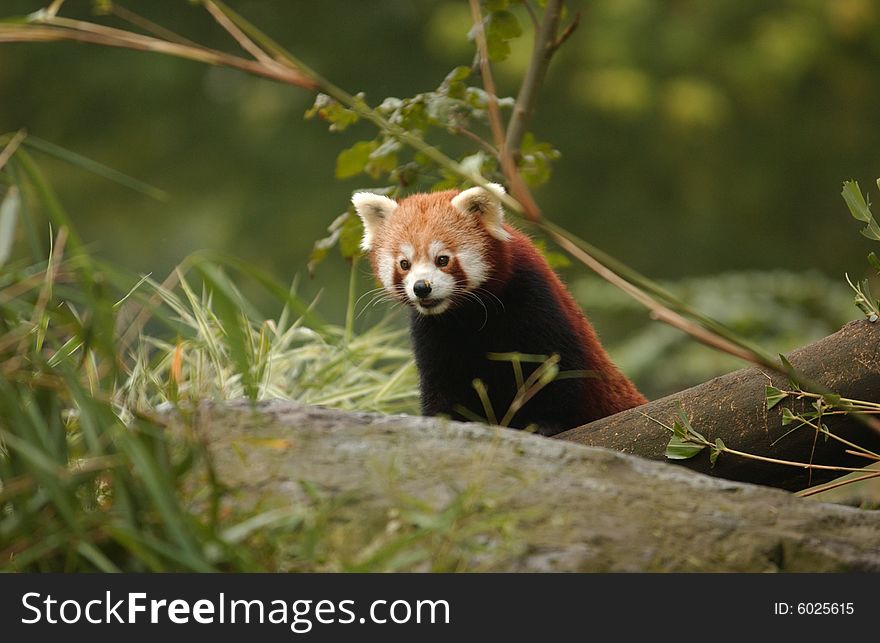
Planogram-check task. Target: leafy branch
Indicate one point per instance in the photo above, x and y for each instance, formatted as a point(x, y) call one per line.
point(687, 442)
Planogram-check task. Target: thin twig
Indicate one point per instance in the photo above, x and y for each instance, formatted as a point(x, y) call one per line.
point(518, 188)
point(868, 456)
point(149, 26)
point(11, 147)
point(570, 29)
point(532, 15)
point(806, 493)
point(54, 8)
point(483, 143)
point(657, 310)
point(544, 47)
point(690, 437)
point(80, 31)
point(246, 43)
point(495, 121)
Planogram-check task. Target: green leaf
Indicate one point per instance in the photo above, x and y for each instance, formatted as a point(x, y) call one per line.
point(874, 261)
point(855, 201)
point(535, 160)
point(504, 24)
point(353, 161)
point(860, 208)
point(453, 85)
point(774, 396)
point(788, 417)
point(495, 5)
point(350, 236)
point(792, 372)
point(383, 159)
point(8, 219)
point(678, 449)
point(717, 449)
point(679, 430)
point(501, 26)
point(333, 112)
point(458, 74)
point(686, 423)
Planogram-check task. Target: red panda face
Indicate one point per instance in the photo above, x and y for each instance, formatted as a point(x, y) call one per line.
point(432, 251)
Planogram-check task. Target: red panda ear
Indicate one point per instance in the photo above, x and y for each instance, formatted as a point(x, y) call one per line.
point(373, 209)
point(484, 203)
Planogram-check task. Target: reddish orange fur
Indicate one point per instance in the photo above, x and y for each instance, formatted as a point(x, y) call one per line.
point(532, 327)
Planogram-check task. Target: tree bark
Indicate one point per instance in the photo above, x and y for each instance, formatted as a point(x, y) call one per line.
point(733, 408)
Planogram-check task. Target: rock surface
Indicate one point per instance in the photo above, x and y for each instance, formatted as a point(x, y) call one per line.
point(571, 507)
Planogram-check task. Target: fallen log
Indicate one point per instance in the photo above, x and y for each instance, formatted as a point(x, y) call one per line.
point(480, 498)
point(733, 407)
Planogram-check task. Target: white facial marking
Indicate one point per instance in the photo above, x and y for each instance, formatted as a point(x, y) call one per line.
point(474, 266)
point(407, 251)
point(435, 249)
point(435, 310)
point(385, 269)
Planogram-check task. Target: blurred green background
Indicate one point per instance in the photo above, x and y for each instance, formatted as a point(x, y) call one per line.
point(698, 138)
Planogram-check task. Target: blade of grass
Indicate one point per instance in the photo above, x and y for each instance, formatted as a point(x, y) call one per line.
point(87, 164)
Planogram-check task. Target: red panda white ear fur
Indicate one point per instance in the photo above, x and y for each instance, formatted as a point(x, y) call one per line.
point(485, 204)
point(373, 209)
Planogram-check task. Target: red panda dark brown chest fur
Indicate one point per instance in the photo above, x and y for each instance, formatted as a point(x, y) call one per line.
point(479, 288)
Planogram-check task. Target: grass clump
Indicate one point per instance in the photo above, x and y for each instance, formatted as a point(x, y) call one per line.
point(91, 477)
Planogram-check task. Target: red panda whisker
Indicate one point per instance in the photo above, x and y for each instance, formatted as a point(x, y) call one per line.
point(374, 291)
point(495, 299)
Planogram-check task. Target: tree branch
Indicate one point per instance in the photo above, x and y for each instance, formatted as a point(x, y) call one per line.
point(734, 408)
point(518, 187)
point(545, 46)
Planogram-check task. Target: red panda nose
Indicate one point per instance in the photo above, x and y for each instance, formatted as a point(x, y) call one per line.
point(422, 289)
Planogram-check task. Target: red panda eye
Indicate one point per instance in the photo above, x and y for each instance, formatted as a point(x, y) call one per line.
point(404, 264)
point(442, 261)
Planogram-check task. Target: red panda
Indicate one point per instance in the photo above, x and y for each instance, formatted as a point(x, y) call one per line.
point(475, 286)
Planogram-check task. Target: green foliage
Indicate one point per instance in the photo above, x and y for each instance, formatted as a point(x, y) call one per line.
point(328, 109)
point(346, 232)
point(686, 442)
point(860, 208)
point(773, 396)
point(455, 108)
point(96, 474)
point(501, 27)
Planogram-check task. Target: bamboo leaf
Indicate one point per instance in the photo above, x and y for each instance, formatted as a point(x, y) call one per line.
point(87, 164)
point(860, 208)
point(717, 449)
point(679, 449)
point(229, 313)
point(773, 396)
